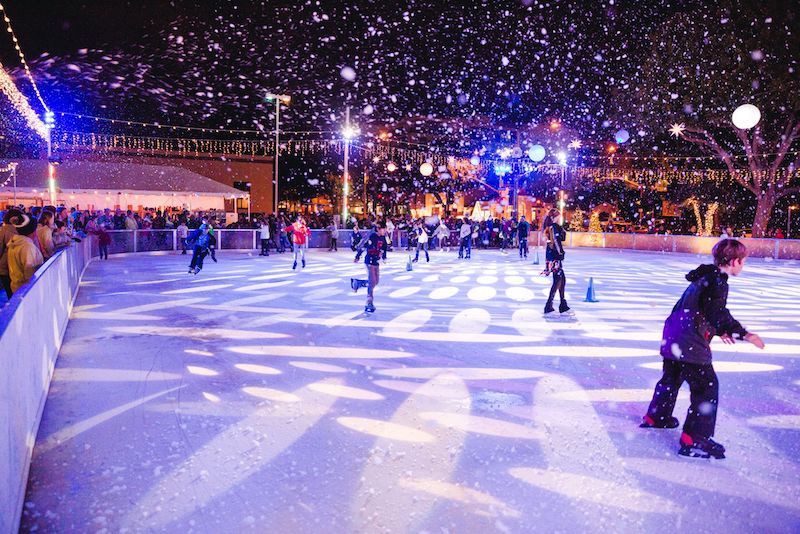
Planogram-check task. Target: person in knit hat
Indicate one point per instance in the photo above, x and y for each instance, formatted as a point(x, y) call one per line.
point(24, 256)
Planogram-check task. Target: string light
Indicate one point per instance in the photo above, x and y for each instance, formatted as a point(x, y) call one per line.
point(10, 167)
point(127, 122)
point(21, 104)
point(22, 60)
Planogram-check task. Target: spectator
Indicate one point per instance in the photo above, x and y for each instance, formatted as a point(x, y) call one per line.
point(7, 233)
point(61, 239)
point(44, 234)
point(130, 222)
point(23, 254)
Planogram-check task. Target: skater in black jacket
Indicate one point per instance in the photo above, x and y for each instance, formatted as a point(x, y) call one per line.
point(375, 246)
point(698, 316)
point(554, 254)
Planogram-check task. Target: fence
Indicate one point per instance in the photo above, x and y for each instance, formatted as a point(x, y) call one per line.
point(32, 326)
point(126, 241)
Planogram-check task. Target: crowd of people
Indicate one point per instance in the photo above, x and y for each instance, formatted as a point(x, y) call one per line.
point(55, 228)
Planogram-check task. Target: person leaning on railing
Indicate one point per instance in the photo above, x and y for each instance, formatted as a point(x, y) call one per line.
point(24, 256)
point(7, 232)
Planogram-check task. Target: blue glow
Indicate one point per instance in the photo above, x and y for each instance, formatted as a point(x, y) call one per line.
point(501, 169)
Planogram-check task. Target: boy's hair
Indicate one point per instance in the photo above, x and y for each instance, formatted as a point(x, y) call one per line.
point(727, 250)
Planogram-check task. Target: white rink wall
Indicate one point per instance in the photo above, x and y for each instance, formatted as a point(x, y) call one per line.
point(32, 328)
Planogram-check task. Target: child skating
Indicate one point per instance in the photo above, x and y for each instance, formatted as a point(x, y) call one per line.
point(375, 246)
point(200, 241)
point(697, 317)
point(299, 232)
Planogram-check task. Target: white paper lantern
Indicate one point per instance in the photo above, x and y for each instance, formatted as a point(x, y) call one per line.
point(426, 169)
point(746, 116)
point(536, 153)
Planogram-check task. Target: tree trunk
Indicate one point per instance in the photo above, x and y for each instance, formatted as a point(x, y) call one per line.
point(763, 212)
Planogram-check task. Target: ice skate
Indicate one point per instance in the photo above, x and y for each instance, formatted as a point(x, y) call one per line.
point(700, 448)
point(304, 263)
point(669, 422)
point(563, 309)
point(548, 309)
point(294, 265)
point(369, 308)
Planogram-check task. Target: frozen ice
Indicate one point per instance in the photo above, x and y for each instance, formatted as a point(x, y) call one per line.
point(262, 403)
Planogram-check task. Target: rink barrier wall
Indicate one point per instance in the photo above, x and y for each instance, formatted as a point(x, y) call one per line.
point(779, 249)
point(32, 327)
point(126, 241)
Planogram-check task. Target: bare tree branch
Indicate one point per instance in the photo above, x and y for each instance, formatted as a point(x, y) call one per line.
point(705, 139)
point(790, 135)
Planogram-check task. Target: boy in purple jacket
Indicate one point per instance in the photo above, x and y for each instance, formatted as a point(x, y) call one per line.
point(698, 316)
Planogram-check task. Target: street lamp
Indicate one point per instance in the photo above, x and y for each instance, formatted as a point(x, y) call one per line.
point(50, 122)
point(562, 160)
point(789, 221)
point(349, 132)
point(285, 99)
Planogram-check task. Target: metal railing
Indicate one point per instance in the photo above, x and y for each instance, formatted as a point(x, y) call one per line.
point(127, 241)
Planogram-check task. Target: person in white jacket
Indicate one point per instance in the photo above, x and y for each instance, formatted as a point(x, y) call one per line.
point(263, 230)
point(465, 234)
point(23, 254)
point(443, 235)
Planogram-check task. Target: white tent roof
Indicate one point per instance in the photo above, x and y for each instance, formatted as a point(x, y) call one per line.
point(83, 176)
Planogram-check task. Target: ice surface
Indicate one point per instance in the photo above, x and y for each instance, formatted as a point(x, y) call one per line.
point(254, 398)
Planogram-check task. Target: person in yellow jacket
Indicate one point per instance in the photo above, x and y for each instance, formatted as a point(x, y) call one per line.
point(24, 256)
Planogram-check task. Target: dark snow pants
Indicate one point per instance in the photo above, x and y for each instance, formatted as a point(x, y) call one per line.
point(701, 418)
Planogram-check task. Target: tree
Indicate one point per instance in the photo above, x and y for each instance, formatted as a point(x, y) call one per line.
point(705, 63)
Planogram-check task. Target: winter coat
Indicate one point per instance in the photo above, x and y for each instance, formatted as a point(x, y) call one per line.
point(7, 233)
point(45, 236)
point(698, 316)
point(466, 230)
point(376, 246)
point(23, 260)
point(264, 230)
point(103, 237)
point(523, 229)
point(555, 234)
point(299, 232)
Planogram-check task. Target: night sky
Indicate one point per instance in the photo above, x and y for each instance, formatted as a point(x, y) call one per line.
point(515, 63)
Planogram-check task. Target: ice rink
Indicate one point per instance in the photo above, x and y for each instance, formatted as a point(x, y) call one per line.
point(254, 398)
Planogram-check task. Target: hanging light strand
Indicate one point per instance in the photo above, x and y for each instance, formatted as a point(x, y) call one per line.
point(175, 127)
point(21, 104)
point(22, 60)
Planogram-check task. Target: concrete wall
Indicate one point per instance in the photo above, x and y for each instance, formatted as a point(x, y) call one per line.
point(32, 327)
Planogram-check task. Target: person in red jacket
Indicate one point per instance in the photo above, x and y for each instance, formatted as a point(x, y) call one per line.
point(299, 232)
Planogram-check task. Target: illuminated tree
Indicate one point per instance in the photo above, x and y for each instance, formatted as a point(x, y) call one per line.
point(703, 65)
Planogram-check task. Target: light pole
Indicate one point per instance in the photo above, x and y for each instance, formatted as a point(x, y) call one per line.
point(49, 120)
point(278, 99)
point(14, 178)
point(348, 132)
point(789, 221)
point(562, 159)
